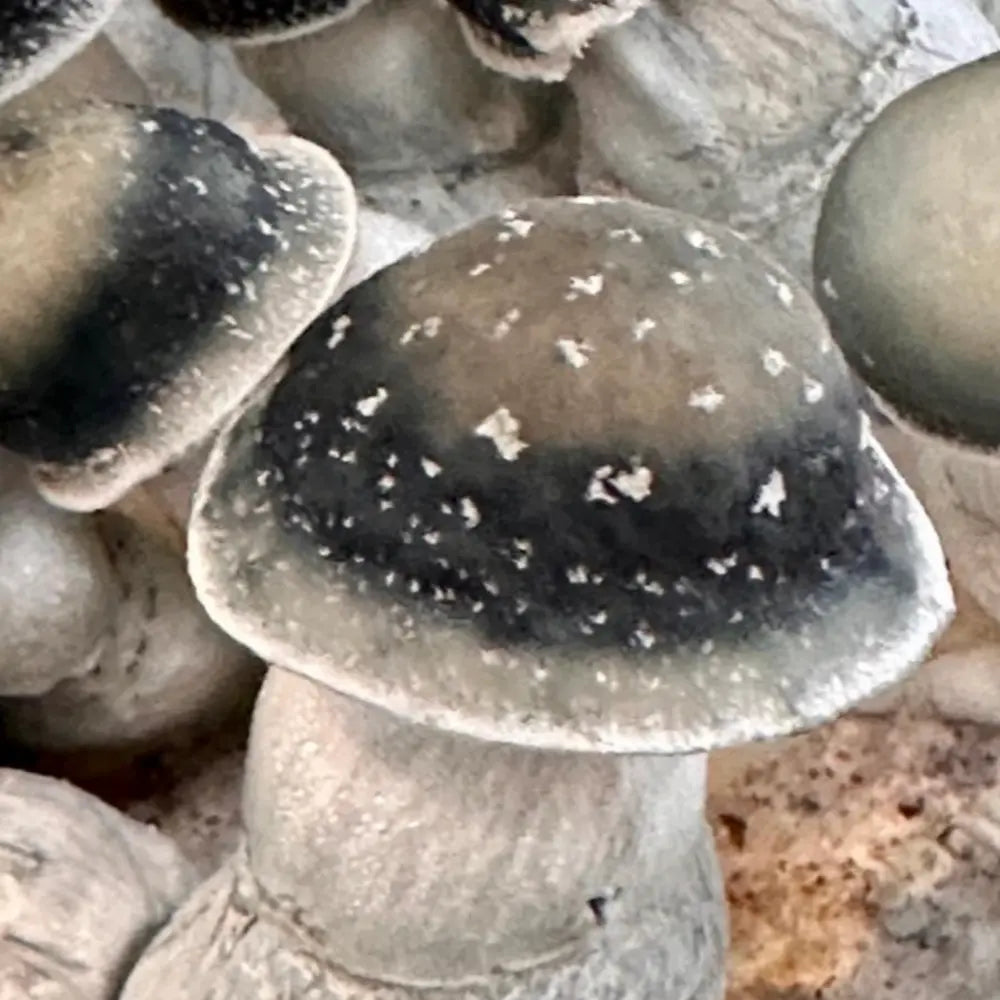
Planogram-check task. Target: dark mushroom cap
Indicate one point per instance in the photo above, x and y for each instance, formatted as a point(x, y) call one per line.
point(37, 36)
point(908, 252)
point(537, 39)
point(587, 475)
point(257, 22)
point(155, 267)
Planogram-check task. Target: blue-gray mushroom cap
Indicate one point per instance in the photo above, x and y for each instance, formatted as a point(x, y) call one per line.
point(588, 475)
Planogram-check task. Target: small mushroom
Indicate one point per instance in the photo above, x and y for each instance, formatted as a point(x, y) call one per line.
point(250, 22)
point(388, 860)
point(164, 673)
point(58, 591)
point(588, 475)
point(38, 36)
point(739, 111)
point(155, 269)
point(82, 890)
point(446, 113)
point(532, 39)
point(906, 255)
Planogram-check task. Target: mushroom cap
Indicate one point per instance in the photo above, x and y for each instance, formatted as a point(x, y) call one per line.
point(589, 475)
point(251, 22)
point(158, 267)
point(537, 39)
point(907, 252)
point(38, 36)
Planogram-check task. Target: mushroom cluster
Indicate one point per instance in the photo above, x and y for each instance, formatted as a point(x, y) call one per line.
point(515, 495)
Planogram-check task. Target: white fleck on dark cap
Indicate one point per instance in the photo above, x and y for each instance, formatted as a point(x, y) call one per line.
point(256, 22)
point(908, 252)
point(537, 39)
point(155, 268)
point(569, 500)
point(38, 36)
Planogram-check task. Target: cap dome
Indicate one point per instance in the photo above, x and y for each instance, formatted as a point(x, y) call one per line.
point(587, 475)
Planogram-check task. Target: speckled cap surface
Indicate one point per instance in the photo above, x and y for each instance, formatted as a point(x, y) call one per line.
point(37, 36)
point(250, 22)
point(537, 39)
point(155, 268)
point(588, 475)
point(908, 253)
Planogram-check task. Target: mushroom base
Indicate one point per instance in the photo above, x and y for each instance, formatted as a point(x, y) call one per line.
point(229, 940)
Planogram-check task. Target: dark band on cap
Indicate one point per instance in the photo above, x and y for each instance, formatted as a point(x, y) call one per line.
point(243, 19)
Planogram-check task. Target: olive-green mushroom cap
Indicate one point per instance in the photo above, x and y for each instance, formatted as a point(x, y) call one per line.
point(155, 268)
point(908, 252)
point(587, 475)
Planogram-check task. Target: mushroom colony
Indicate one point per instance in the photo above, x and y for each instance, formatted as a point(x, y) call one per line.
point(485, 445)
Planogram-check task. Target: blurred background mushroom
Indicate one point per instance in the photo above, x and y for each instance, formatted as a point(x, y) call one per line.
point(905, 261)
point(463, 509)
point(739, 111)
point(424, 130)
point(82, 890)
point(38, 36)
point(161, 268)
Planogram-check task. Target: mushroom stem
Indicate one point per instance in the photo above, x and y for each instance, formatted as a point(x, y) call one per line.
point(393, 91)
point(424, 862)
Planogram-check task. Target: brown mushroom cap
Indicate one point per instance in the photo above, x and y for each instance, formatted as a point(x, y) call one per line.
point(156, 268)
point(588, 475)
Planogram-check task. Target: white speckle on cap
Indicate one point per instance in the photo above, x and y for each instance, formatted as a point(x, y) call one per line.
point(643, 636)
point(784, 292)
point(504, 326)
point(866, 439)
point(596, 490)
point(591, 285)
point(340, 327)
point(702, 241)
point(707, 398)
point(681, 278)
point(828, 289)
point(430, 467)
point(469, 511)
point(581, 199)
point(386, 482)
point(628, 233)
point(649, 586)
point(755, 573)
point(479, 269)
point(518, 225)
point(636, 485)
point(642, 326)
point(575, 353)
point(501, 428)
point(771, 495)
point(368, 406)
point(812, 391)
point(428, 329)
point(720, 567)
point(736, 617)
point(774, 362)
point(577, 575)
point(149, 126)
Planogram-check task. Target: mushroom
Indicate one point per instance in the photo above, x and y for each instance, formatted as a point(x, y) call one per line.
point(156, 267)
point(532, 39)
point(82, 889)
point(739, 111)
point(584, 481)
point(905, 261)
point(163, 673)
point(57, 589)
point(38, 37)
point(427, 124)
